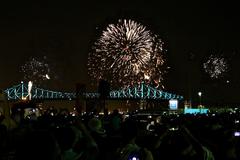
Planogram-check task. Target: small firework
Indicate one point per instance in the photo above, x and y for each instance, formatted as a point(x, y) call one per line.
point(216, 66)
point(36, 70)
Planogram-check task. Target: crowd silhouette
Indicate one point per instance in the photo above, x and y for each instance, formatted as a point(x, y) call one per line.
point(55, 135)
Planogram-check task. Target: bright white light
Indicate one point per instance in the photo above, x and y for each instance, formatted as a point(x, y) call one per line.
point(146, 76)
point(47, 76)
point(29, 89)
point(237, 134)
point(200, 94)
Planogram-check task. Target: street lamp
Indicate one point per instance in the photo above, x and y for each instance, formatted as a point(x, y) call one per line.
point(200, 96)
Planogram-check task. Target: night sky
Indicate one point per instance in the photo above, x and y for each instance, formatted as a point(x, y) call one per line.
point(65, 32)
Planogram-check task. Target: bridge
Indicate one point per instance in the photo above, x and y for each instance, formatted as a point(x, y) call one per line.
point(140, 91)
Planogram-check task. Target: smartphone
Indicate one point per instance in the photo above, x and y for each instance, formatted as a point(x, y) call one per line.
point(236, 134)
point(134, 158)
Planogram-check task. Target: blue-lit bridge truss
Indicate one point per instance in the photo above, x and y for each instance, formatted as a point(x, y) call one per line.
point(140, 91)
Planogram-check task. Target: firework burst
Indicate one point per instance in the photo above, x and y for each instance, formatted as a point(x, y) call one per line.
point(36, 70)
point(127, 53)
point(216, 66)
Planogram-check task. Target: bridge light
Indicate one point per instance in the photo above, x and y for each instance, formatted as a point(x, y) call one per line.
point(24, 98)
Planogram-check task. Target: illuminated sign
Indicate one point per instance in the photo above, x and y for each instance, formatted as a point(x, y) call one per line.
point(173, 104)
point(195, 111)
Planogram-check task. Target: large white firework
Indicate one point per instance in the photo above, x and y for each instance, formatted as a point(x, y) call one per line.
point(36, 70)
point(216, 66)
point(127, 53)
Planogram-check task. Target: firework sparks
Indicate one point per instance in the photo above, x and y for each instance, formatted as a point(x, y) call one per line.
point(30, 84)
point(215, 66)
point(36, 70)
point(127, 53)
